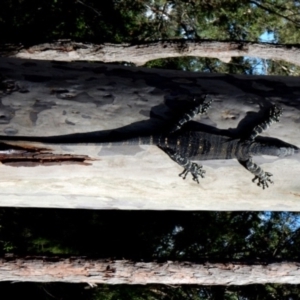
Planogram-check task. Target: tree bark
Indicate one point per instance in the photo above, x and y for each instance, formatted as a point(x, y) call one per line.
point(43, 269)
point(43, 98)
point(139, 54)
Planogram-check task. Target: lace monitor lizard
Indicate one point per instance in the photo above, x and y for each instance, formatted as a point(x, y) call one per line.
point(186, 147)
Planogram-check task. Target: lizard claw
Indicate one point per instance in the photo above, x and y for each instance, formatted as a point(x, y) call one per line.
point(263, 180)
point(195, 170)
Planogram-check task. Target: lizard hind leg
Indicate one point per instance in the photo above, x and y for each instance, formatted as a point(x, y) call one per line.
point(201, 107)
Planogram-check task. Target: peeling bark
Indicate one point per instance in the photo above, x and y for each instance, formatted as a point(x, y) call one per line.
point(74, 269)
point(30, 156)
point(37, 158)
point(139, 54)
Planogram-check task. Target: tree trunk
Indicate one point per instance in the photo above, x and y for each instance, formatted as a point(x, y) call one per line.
point(42, 98)
point(139, 54)
point(43, 269)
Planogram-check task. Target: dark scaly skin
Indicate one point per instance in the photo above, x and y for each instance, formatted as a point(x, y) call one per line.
point(202, 146)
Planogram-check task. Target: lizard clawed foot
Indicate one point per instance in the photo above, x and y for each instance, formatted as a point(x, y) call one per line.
point(195, 170)
point(263, 180)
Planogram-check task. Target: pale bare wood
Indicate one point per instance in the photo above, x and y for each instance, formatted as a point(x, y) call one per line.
point(43, 98)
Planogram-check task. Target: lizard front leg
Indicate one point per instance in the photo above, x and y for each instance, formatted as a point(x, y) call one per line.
point(200, 107)
point(260, 175)
point(274, 115)
point(189, 167)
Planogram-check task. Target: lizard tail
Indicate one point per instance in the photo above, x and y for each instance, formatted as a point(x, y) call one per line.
point(287, 151)
point(274, 148)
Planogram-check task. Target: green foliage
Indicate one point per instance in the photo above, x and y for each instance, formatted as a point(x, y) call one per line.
point(65, 291)
point(191, 236)
point(119, 21)
point(147, 236)
point(32, 22)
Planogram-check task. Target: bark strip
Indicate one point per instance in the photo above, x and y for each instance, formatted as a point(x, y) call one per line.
point(139, 54)
point(42, 269)
point(17, 156)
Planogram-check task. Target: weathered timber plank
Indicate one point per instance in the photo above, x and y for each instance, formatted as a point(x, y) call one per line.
point(47, 98)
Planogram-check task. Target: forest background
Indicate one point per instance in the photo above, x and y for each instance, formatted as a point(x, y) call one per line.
point(150, 235)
